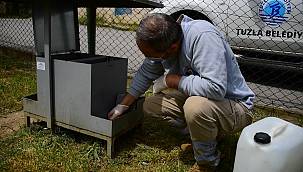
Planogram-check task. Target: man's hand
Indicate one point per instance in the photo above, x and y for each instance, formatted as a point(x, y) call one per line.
point(166, 81)
point(117, 111)
point(159, 84)
point(172, 80)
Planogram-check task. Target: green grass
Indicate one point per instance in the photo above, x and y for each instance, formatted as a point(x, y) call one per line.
point(102, 22)
point(152, 147)
point(17, 80)
point(144, 149)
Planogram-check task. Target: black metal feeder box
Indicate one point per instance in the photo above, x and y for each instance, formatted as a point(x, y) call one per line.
point(76, 90)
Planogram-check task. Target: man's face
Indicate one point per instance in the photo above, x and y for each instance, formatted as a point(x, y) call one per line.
point(150, 53)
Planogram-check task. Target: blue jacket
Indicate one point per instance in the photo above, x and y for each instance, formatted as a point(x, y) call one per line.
point(206, 63)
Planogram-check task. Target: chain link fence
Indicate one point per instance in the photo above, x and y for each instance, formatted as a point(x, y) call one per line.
point(266, 36)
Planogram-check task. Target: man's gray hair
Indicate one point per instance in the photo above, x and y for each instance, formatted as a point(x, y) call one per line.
point(159, 31)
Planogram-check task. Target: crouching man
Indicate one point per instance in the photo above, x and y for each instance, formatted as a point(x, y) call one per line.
point(196, 78)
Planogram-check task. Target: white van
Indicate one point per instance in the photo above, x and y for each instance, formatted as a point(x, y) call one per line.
point(273, 27)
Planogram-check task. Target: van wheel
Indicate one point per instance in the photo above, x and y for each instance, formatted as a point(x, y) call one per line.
point(192, 14)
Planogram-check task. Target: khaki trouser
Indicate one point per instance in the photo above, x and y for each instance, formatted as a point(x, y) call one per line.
point(206, 119)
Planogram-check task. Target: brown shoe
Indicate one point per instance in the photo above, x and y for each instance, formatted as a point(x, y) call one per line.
point(200, 168)
point(186, 147)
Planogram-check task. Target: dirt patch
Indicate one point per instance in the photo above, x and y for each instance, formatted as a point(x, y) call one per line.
point(11, 123)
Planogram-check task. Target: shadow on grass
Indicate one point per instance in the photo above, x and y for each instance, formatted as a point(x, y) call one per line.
point(158, 134)
point(155, 133)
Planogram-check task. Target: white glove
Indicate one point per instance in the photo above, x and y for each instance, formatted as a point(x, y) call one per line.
point(117, 111)
point(159, 84)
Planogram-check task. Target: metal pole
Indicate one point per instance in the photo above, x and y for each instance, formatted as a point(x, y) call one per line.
point(48, 63)
point(91, 29)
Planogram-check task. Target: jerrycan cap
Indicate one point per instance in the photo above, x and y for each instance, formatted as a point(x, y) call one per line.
point(262, 138)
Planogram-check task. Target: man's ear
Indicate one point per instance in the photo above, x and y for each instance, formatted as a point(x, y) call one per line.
point(175, 46)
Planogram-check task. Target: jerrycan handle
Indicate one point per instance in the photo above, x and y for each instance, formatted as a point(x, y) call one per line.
point(265, 138)
point(278, 130)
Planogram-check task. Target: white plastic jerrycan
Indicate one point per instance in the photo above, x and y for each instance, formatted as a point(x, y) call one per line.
point(270, 145)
